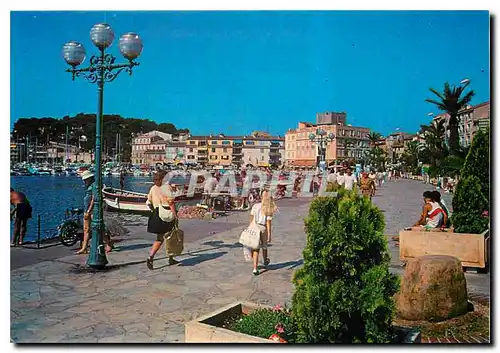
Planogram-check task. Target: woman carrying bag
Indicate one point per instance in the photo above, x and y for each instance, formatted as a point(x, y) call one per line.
point(258, 234)
point(163, 218)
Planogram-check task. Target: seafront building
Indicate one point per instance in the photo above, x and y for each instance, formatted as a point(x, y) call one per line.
point(395, 145)
point(51, 153)
point(470, 120)
point(349, 142)
point(149, 148)
point(257, 149)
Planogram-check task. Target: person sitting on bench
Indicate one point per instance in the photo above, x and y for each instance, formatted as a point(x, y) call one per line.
point(432, 215)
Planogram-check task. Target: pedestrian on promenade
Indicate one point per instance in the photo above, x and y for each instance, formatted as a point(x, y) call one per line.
point(332, 181)
point(209, 187)
point(340, 178)
point(432, 215)
point(160, 196)
point(367, 186)
point(88, 204)
point(262, 214)
point(122, 181)
point(349, 180)
point(21, 212)
point(372, 176)
point(380, 178)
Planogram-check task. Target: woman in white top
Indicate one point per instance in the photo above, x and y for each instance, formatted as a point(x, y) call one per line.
point(432, 215)
point(262, 215)
point(160, 196)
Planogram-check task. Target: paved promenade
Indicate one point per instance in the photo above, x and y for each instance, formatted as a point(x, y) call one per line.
point(59, 301)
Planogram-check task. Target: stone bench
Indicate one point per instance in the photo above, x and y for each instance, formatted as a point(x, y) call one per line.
point(471, 249)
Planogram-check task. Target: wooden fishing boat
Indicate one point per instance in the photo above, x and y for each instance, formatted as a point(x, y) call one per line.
point(135, 202)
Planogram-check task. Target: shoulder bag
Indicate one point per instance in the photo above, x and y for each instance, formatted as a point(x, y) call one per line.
point(250, 237)
point(174, 241)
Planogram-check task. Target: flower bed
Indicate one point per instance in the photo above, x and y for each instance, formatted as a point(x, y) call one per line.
point(245, 322)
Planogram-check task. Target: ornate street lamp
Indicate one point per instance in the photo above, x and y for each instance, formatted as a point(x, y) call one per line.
point(102, 69)
point(322, 139)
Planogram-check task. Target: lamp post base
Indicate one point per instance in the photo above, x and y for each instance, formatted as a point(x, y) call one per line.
point(97, 256)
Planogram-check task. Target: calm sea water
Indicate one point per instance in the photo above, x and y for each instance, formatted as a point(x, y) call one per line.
point(50, 196)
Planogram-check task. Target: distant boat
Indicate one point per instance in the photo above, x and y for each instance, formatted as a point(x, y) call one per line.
point(131, 201)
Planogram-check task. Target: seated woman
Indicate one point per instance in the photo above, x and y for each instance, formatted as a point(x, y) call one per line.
point(436, 195)
point(432, 214)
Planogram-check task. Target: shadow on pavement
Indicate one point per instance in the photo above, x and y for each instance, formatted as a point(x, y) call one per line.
point(289, 264)
point(202, 258)
point(132, 247)
point(220, 244)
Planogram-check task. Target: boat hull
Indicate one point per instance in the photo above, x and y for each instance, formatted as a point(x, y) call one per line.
point(135, 202)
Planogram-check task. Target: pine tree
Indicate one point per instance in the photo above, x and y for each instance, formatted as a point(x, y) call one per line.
point(471, 198)
point(344, 293)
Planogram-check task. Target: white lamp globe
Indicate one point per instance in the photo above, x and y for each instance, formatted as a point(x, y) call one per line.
point(102, 35)
point(73, 53)
point(130, 45)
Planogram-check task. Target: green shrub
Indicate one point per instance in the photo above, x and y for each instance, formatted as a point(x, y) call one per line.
point(266, 322)
point(344, 292)
point(471, 197)
point(469, 203)
point(477, 162)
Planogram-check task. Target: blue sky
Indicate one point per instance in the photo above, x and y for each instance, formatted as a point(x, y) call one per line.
point(236, 72)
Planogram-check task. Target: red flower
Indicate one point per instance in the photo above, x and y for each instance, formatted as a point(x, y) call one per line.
point(277, 338)
point(485, 214)
point(279, 328)
point(277, 307)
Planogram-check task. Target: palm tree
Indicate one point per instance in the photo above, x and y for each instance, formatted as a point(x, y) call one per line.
point(374, 137)
point(435, 146)
point(434, 135)
point(452, 101)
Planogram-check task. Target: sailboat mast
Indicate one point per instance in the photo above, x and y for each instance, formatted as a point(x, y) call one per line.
point(67, 155)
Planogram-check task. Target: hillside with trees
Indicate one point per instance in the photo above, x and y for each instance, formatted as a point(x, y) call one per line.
point(52, 129)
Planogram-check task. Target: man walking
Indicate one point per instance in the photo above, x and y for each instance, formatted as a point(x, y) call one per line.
point(21, 212)
point(349, 180)
point(122, 181)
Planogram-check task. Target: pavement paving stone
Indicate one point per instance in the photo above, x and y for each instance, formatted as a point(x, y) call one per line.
point(129, 303)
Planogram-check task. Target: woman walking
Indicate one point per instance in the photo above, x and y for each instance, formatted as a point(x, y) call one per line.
point(262, 215)
point(160, 196)
point(367, 185)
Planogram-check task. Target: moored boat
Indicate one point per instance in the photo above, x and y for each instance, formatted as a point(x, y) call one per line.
point(135, 202)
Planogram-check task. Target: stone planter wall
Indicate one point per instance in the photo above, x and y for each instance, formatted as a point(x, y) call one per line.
point(470, 249)
point(208, 328)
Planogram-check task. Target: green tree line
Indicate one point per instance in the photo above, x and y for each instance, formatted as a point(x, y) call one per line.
point(81, 131)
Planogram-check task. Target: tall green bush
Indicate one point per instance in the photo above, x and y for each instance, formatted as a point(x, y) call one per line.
point(469, 204)
point(477, 162)
point(472, 195)
point(344, 292)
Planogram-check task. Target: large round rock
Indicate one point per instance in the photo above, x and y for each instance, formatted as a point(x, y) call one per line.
point(433, 289)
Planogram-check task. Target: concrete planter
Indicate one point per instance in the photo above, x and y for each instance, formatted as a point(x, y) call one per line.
point(471, 249)
point(208, 328)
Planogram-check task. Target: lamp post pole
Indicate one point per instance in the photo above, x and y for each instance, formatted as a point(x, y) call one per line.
point(321, 138)
point(102, 69)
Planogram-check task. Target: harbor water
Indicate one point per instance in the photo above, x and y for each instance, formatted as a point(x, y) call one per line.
point(50, 196)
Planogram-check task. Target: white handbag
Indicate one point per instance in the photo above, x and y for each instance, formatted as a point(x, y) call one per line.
point(166, 214)
point(250, 237)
